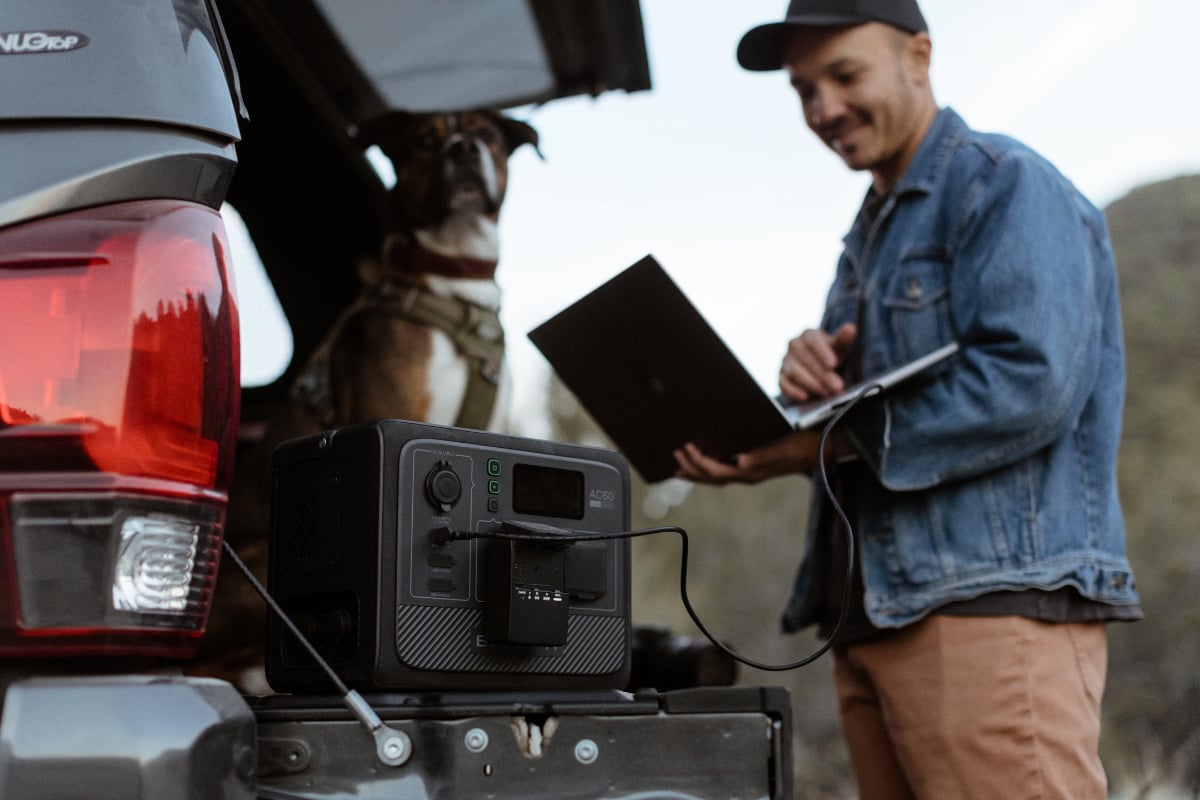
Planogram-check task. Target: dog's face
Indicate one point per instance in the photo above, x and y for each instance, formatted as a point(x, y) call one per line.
point(446, 163)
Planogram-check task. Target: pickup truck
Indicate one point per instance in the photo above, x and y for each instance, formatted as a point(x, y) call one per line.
point(126, 129)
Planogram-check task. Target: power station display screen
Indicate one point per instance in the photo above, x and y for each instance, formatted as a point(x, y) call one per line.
point(547, 492)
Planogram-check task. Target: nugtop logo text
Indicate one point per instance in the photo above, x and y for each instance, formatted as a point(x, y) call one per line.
point(18, 42)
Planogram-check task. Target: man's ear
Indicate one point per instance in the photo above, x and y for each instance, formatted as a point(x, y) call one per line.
point(919, 52)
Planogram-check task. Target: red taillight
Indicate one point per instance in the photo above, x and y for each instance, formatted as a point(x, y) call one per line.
point(118, 420)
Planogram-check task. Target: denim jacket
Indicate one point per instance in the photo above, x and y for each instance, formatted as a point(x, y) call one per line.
point(997, 469)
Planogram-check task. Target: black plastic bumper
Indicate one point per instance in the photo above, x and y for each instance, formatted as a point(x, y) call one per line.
point(690, 744)
point(126, 737)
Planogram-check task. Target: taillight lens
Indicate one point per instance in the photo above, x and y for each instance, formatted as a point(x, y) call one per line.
point(110, 573)
point(118, 420)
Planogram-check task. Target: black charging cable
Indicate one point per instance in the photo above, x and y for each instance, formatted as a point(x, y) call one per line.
point(516, 531)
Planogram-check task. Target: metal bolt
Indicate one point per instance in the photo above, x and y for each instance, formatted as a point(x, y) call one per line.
point(476, 740)
point(395, 747)
point(586, 751)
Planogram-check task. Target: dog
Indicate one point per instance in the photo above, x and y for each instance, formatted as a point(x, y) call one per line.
point(423, 341)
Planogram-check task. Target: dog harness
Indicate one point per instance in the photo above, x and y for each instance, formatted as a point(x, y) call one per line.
point(474, 329)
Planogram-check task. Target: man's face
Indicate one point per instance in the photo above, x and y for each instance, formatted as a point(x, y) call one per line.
point(865, 93)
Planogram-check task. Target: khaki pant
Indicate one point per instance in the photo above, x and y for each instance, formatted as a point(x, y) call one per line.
point(975, 707)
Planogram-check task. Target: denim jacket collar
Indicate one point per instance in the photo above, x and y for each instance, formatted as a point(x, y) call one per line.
point(932, 159)
point(923, 175)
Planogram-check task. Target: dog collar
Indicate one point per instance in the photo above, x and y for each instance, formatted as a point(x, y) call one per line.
point(408, 258)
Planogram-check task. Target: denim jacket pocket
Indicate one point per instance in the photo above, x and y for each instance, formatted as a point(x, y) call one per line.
point(915, 303)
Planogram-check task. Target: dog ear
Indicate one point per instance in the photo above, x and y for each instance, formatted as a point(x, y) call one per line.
point(378, 130)
point(517, 133)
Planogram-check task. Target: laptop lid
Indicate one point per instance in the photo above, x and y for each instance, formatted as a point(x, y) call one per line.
point(654, 375)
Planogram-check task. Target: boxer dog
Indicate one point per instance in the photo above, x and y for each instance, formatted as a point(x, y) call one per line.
point(422, 342)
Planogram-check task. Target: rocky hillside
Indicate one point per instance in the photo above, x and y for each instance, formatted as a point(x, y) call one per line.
point(1154, 687)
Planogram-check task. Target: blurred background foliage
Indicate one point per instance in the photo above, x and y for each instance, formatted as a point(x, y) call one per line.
point(1152, 736)
point(746, 541)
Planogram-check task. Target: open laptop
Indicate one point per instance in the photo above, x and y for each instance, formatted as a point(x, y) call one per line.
point(654, 374)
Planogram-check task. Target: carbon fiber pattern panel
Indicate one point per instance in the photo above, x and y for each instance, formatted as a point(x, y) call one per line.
point(305, 511)
point(296, 525)
point(437, 638)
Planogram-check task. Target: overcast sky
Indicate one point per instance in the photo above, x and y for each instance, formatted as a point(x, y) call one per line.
point(714, 173)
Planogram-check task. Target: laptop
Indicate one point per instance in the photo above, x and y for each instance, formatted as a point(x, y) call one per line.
point(654, 374)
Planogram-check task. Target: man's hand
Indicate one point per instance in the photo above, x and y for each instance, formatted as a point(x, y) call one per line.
point(810, 366)
point(809, 370)
point(796, 452)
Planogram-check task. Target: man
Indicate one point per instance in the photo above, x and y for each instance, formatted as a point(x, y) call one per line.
point(990, 544)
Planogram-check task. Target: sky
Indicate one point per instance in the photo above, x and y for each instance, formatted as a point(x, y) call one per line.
point(714, 173)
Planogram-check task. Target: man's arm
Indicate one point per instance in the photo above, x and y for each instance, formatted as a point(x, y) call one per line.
point(1026, 301)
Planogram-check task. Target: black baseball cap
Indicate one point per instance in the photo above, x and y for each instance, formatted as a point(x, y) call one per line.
point(761, 49)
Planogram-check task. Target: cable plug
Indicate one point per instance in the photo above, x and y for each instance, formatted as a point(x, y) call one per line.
point(439, 536)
